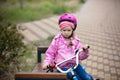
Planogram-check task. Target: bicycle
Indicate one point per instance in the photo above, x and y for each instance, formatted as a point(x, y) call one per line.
point(72, 68)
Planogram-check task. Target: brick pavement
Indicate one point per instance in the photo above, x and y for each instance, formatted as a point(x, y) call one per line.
point(98, 26)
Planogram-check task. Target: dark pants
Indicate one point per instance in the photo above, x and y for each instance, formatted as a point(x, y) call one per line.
point(80, 73)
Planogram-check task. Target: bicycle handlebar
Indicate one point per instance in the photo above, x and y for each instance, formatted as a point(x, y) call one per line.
point(77, 61)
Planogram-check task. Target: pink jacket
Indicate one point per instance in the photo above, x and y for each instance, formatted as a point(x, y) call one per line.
point(59, 50)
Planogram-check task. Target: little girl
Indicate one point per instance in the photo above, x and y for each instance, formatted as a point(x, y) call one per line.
point(64, 44)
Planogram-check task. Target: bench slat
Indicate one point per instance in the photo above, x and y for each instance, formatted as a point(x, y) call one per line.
point(39, 75)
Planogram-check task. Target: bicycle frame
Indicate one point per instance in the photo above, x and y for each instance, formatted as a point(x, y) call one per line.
point(71, 69)
point(77, 62)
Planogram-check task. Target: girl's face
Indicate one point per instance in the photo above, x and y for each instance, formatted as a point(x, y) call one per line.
point(67, 31)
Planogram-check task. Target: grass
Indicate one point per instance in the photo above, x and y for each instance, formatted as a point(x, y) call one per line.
point(35, 10)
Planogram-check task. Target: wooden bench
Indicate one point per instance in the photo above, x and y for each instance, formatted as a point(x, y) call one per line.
point(38, 73)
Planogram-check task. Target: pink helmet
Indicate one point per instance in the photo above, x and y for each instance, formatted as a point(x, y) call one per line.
point(69, 18)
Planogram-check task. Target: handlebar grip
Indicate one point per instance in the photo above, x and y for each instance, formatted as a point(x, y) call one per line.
point(76, 51)
point(51, 67)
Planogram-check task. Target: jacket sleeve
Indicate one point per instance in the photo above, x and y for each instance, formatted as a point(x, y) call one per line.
point(50, 53)
point(82, 55)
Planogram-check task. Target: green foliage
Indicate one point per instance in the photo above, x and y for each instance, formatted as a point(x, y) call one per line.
point(16, 14)
point(28, 61)
point(22, 15)
point(11, 49)
point(62, 9)
point(29, 10)
point(50, 37)
point(82, 1)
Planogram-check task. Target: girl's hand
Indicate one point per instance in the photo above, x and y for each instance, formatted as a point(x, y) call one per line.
point(44, 67)
point(85, 48)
